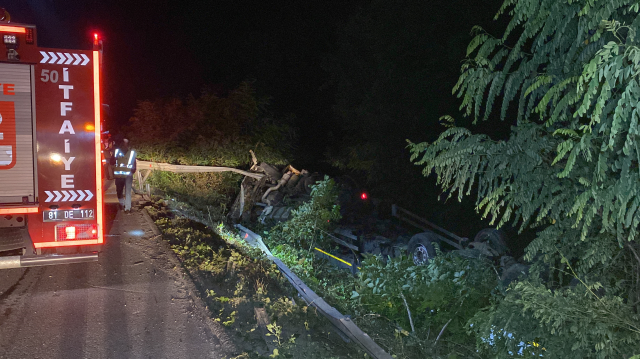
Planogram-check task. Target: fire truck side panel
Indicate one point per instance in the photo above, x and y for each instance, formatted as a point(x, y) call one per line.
point(16, 135)
point(66, 159)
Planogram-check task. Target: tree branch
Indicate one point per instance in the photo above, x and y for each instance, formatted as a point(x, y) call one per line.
point(634, 252)
point(413, 329)
point(442, 331)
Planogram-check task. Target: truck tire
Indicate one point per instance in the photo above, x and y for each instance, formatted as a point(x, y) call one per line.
point(420, 248)
point(495, 238)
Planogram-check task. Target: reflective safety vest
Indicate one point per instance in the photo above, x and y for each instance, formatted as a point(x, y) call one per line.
point(124, 163)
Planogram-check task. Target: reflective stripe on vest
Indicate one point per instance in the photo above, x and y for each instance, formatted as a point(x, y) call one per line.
point(124, 163)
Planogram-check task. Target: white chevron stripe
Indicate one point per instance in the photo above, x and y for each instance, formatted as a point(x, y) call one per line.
point(54, 58)
point(64, 58)
point(68, 196)
point(45, 57)
point(86, 59)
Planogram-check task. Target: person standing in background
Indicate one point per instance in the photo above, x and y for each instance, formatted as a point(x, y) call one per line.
point(124, 161)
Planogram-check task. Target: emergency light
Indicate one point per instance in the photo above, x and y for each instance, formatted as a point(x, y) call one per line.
point(66, 232)
point(4, 28)
point(29, 38)
point(10, 39)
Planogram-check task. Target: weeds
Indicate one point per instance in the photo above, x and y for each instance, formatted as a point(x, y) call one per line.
point(235, 279)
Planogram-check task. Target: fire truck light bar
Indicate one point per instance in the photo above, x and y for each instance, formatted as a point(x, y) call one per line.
point(4, 28)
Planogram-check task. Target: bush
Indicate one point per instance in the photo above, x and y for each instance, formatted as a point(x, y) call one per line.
point(441, 296)
point(310, 222)
point(211, 130)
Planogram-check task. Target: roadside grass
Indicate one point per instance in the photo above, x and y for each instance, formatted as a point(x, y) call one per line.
point(228, 280)
point(206, 192)
point(234, 280)
point(198, 208)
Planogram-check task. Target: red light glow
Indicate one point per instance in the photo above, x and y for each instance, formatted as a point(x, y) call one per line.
point(17, 29)
point(364, 196)
point(66, 243)
point(97, 117)
point(18, 210)
point(65, 232)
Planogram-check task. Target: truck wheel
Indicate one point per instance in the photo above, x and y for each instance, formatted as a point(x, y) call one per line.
point(420, 249)
point(495, 238)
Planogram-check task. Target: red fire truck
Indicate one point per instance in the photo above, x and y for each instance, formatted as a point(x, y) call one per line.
point(51, 201)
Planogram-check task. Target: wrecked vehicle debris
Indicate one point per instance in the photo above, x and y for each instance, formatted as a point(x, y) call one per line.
point(368, 225)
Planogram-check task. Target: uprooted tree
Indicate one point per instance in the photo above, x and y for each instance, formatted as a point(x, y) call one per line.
point(565, 73)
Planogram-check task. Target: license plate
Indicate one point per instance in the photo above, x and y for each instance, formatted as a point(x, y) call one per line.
point(68, 215)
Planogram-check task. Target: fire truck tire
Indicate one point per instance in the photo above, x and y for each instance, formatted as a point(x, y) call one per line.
point(420, 248)
point(495, 238)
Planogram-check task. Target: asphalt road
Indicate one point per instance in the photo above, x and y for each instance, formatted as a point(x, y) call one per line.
point(135, 302)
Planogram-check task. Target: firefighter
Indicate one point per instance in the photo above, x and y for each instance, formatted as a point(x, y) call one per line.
point(107, 153)
point(123, 170)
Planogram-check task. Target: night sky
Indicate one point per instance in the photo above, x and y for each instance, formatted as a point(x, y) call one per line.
point(164, 48)
point(161, 48)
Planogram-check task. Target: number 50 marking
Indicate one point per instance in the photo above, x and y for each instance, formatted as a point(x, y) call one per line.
point(52, 75)
point(47, 76)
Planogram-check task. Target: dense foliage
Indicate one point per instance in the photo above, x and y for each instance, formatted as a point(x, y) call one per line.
point(211, 130)
point(309, 222)
point(441, 298)
point(565, 74)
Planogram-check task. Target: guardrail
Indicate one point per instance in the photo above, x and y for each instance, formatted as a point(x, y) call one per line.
point(157, 166)
point(340, 321)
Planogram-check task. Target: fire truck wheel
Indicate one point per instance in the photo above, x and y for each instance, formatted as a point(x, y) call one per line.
point(495, 238)
point(420, 248)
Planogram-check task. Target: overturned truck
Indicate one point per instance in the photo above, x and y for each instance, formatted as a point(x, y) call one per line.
point(271, 198)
